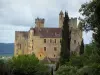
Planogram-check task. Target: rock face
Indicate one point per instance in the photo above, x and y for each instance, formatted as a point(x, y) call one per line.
point(45, 42)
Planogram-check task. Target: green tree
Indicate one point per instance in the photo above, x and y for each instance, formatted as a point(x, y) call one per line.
point(4, 70)
point(91, 20)
point(67, 70)
point(65, 42)
point(27, 65)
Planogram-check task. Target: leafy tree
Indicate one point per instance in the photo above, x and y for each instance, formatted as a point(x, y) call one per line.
point(27, 65)
point(86, 64)
point(65, 43)
point(67, 70)
point(91, 20)
point(3, 68)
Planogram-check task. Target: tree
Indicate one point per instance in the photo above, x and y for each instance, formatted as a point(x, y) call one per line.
point(85, 64)
point(4, 70)
point(67, 70)
point(27, 65)
point(91, 20)
point(65, 42)
point(82, 48)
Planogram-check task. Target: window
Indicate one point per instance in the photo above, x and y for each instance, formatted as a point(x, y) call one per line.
point(78, 43)
point(32, 41)
point(50, 40)
point(20, 46)
point(40, 55)
point(60, 40)
point(74, 41)
point(32, 47)
point(44, 48)
point(55, 40)
point(55, 48)
point(54, 55)
point(44, 40)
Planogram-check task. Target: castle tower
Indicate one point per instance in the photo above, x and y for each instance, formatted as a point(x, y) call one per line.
point(30, 41)
point(73, 23)
point(61, 19)
point(39, 23)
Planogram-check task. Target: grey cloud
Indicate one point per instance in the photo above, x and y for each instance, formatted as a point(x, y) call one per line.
point(20, 14)
point(23, 12)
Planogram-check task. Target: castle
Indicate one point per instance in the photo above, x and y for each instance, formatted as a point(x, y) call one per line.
point(45, 42)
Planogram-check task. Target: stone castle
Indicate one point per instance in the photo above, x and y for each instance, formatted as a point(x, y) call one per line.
point(45, 42)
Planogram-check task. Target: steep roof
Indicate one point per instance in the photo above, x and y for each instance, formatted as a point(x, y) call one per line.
point(47, 32)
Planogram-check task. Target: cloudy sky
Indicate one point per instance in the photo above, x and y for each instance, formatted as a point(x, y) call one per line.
point(19, 15)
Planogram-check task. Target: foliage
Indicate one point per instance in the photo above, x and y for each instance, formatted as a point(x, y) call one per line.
point(85, 64)
point(27, 65)
point(3, 68)
point(65, 42)
point(67, 70)
point(89, 62)
point(91, 20)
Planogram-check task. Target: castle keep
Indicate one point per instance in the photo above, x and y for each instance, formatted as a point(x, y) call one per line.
point(45, 42)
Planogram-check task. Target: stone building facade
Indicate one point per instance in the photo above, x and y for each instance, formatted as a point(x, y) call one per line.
point(45, 42)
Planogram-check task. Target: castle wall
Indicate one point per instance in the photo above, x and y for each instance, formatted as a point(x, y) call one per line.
point(76, 39)
point(39, 23)
point(20, 44)
point(28, 43)
point(73, 23)
point(39, 45)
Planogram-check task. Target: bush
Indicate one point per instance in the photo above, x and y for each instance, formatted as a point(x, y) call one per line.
point(27, 65)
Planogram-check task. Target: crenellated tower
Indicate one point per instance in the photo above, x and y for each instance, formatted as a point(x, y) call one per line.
point(39, 22)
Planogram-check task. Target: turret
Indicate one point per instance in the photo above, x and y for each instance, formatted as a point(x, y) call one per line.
point(73, 23)
point(61, 19)
point(39, 23)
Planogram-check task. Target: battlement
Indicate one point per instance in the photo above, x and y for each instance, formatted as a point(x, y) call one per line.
point(39, 22)
point(73, 22)
point(73, 19)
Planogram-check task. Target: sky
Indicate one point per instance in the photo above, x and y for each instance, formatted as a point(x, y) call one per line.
point(19, 15)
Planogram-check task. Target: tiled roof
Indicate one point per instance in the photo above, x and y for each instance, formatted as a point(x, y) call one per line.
point(42, 32)
point(47, 32)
